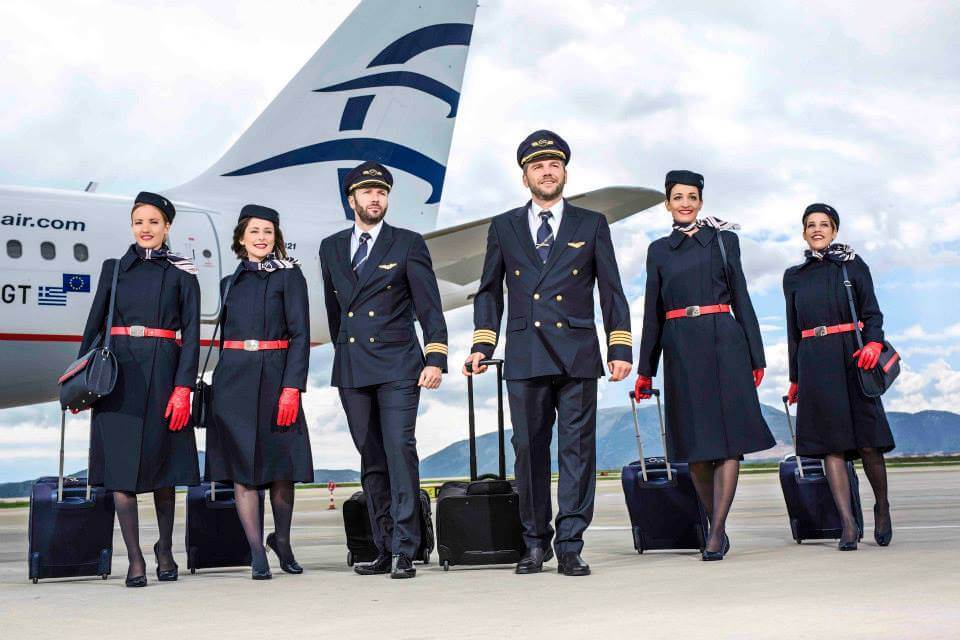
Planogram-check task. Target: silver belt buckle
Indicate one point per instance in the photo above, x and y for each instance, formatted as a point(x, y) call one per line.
point(820, 331)
point(138, 331)
point(692, 312)
point(251, 345)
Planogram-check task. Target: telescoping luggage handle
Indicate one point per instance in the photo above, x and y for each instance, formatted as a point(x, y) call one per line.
point(793, 437)
point(663, 434)
point(473, 422)
point(63, 431)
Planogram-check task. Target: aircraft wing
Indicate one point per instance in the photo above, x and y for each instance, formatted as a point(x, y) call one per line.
point(458, 252)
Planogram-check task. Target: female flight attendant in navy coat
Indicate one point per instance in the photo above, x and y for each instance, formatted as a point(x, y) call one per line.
point(137, 438)
point(259, 435)
point(835, 420)
point(712, 360)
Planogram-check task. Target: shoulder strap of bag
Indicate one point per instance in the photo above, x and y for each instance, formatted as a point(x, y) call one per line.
point(723, 258)
point(113, 300)
point(216, 327)
point(853, 307)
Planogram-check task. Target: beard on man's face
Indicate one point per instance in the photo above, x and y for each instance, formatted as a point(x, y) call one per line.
point(367, 217)
point(548, 193)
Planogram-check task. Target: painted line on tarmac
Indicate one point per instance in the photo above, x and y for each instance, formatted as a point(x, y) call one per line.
point(777, 528)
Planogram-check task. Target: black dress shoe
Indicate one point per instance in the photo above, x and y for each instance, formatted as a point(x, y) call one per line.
point(379, 566)
point(136, 581)
point(260, 568)
point(166, 575)
point(726, 544)
point(571, 564)
point(885, 535)
point(532, 561)
point(287, 563)
point(402, 567)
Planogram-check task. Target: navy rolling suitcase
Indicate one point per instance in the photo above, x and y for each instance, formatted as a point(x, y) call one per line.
point(665, 512)
point(813, 513)
point(70, 528)
point(356, 524)
point(214, 535)
point(478, 522)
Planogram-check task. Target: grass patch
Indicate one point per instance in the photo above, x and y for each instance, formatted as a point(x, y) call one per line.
point(14, 504)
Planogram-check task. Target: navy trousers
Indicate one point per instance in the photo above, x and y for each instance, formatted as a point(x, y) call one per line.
point(382, 420)
point(535, 404)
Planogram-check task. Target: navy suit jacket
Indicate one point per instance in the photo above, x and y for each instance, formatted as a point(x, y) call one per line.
point(371, 317)
point(550, 324)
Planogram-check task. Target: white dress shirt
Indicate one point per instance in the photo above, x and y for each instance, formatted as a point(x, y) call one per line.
point(355, 239)
point(533, 217)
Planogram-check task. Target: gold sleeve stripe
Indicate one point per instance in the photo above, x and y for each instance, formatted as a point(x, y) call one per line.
point(436, 347)
point(620, 334)
point(628, 343)
point(484, 336)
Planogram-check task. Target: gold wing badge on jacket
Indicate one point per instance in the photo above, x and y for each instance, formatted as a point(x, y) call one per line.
point(576, 245)
point(388, 266)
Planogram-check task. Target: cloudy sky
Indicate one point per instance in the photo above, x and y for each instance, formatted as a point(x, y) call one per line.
point(778, 103)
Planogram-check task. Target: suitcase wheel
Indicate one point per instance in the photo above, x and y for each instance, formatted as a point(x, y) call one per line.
point(192, 571)
point(795, 530)
point(426, 559)
point(104, 576)
point(640, 551)
point(446, 565)
point(349, 558)
point(34, 580)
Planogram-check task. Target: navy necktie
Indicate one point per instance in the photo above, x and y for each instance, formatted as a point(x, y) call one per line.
point(360, 257)
point(545, 236)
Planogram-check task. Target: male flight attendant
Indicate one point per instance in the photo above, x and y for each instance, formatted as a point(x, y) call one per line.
point(550, 253)
point(375, 278)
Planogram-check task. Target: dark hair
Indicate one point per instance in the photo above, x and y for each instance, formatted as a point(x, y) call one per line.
point(279, 246)
point(671, 185)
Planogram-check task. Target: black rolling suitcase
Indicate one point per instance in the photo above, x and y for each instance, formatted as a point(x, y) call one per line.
point(70, 528)
point(478, 522)
point(665, 512)
point(356, 524)
point(813, 513)
point(214, 535)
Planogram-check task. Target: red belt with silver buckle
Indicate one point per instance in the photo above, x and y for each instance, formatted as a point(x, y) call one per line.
point(255, 345)
point(140, 331)
point(697, 310)
point(822, 330)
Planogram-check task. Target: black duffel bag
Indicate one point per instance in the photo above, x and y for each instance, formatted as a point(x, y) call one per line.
point(94, 375)
point(874, 382)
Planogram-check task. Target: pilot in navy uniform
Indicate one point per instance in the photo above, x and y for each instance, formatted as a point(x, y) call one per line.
point(713, 359)
point(258, 437)
point(139, 437)
point(550, 253)
point(376, 279)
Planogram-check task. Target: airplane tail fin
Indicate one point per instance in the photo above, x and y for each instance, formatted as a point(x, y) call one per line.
point(385, 86)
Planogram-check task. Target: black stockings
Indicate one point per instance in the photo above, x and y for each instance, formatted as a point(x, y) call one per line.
point(126, 505)
point(835, 466)
point(716, 485)
point(248, 508)
point(281, 501)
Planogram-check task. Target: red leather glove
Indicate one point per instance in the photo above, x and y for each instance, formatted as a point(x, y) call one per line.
point(289, 406)
point(869, 355)
point(642, 388)
point(793, 394)
point(757, 377)
point(178, 408)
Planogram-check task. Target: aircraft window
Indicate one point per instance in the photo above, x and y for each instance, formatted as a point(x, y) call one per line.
point(80, 252)
point(48, 250)
point(14, 248)
point(207, 253)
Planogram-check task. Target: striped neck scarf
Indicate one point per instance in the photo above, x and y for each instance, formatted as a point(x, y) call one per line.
point(163, 253)
point(271, 263)
point(709, 221)
point(835, 253)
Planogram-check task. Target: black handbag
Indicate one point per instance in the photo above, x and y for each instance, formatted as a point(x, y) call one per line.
point(876, 381)
point(203, 394)
point(94, 375)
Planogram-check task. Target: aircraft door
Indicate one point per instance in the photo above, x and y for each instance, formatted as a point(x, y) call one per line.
point(194, 235)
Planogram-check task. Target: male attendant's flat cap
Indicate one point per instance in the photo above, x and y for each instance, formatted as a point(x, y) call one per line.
point(819, 207)
point(158, 201)
point(682, 176)
point(541, 145)
point(368, 174)
point(259, 211)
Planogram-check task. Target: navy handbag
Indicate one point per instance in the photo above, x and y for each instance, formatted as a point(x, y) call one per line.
point(93, 375)
point(876, 381)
